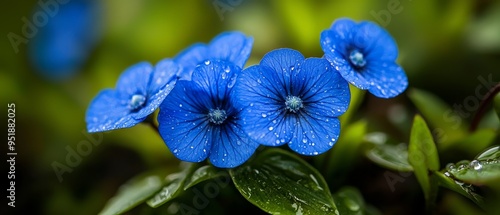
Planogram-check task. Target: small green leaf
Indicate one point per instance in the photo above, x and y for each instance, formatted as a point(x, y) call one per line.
point(173, 186)
point(459, 187)
point(393, 157)
point(132, 193)
point(349, 201)
point(439, 115)
point(204, 173)
point(490, 153)
point(423, 156)
point(279, 182)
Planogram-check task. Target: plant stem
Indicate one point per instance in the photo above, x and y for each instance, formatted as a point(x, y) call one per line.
point(483, 107)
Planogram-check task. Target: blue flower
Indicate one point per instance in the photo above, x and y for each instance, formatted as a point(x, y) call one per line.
point(139, 91)
point(365, 56)
point(61, 47)
point(289, 99)
point(232, 47)
point(200, 118)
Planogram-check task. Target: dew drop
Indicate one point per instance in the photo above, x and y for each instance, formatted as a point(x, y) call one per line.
point(271, 128)
point(264, 115)
point(451, 167)
point(304, 140)
point(476, 165)
point(207, 62)
point(180, 105)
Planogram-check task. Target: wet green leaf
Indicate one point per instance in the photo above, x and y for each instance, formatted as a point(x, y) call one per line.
point(204, 173)
point(172, 187)
point(393, 157)
point(459, 187)
point(423, 156)
point(132, 193)
point(279, 182)
point(490, 153)
point(479, 172)
point(349, 201)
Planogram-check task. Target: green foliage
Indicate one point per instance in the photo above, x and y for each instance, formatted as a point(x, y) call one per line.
point(497, 105)
point(423, 156)
point(280, 182)
point(393, 157)
point(134, 192)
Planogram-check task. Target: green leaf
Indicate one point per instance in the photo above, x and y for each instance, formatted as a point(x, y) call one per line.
point(490, 153)
point(132, 193)
point(459, 187)
point(204, 173)
point(279, 182)
point(393, 157)
point(173, 186)
point(485, 169)
point(423, 156)
point(439, 115)
point(349, 201)
point(478, 172)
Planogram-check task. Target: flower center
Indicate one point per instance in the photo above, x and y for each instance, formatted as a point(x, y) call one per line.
point(293, 104)
point(137, 101)
point(217, 116)
point(357, 58)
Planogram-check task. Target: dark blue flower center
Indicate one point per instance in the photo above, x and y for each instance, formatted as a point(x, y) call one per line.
point(357, 58)
point(137, 101)
point(293, 104)
point(217, 116)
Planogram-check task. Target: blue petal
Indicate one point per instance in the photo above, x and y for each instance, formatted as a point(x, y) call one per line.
point(135, 79)
point(375, 42)
point(162, 82)
point(234, 47)
point(231, 146)
point(282, 61)
point(335, 45)
point(190, 57)
point(262, 96)
point(183, 124)
point(109, 111)
point(217, 78)
point(388, 78)
point(322, 89)
point(315, 134)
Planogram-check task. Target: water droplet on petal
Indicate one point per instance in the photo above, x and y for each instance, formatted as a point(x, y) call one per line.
point(271, 128)
point(207, 62)
point(264, 115)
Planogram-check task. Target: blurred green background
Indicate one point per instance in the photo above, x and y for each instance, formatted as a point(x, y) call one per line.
point(444, 47)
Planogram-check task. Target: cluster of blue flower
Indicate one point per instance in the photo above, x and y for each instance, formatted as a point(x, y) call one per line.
point(210, 107)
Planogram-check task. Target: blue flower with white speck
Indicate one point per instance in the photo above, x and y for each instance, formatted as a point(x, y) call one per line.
point(365, 56)
point(200, 118)
point(232, 47)
point(139, 91)
point(290, 99)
